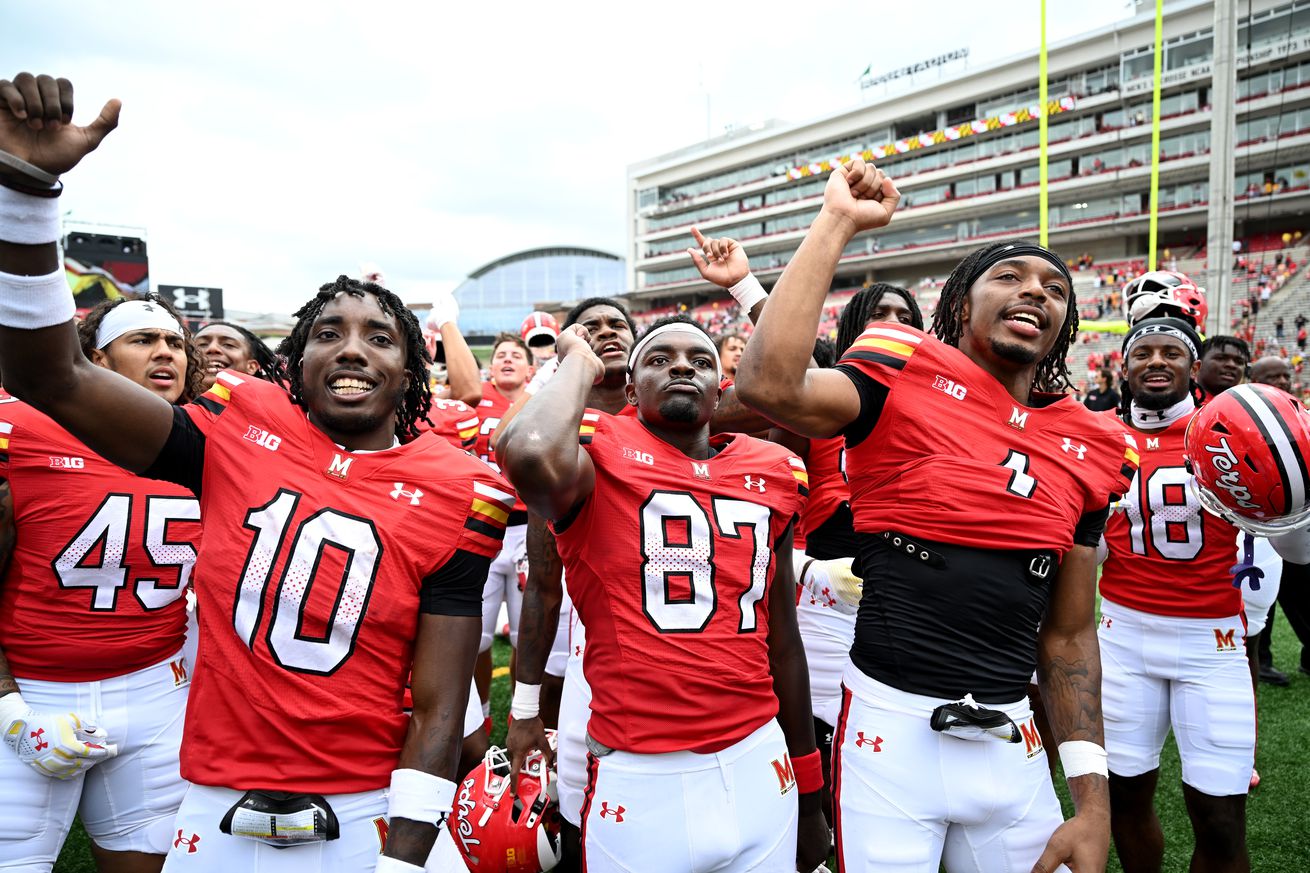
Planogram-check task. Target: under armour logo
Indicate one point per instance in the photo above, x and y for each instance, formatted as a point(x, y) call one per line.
point(753, 484)
point(189, 842)
point(41, 744)
point(1070, 447)
point(414, 496)
point(861, 741)
point(617, 811)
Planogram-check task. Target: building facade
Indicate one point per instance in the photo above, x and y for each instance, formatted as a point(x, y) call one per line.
point(499, 295)
point(964, 154)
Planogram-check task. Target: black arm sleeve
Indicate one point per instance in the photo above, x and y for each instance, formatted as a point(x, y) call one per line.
point(456, 589)
point(873, 396)
point(1091, 526)
point(182, 459)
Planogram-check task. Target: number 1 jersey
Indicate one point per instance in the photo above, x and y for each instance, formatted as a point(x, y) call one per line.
point(309, 581)
point(669, 564)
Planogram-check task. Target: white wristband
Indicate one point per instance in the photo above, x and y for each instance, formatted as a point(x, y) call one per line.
point(33, 302)
point(748, 292)
point(388, 864)
point(526, 703)
point(419, 796)
point(28, 220)
point(1080, 758)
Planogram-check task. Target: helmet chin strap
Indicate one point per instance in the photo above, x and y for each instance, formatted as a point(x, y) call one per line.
point(1156, 418)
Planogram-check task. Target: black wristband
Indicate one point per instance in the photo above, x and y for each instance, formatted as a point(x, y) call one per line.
point(14, 184)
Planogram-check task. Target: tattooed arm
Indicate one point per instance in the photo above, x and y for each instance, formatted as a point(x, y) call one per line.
point(1069, 674)
point(543, 593)
point(8, 534)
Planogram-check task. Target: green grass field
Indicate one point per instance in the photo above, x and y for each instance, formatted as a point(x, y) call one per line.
point(1278, 836)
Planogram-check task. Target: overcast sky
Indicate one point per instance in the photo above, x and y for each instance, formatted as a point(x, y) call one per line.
point(267, 147)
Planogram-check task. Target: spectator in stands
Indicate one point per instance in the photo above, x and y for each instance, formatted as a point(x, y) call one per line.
point(1300, 339)
point(1278, 328)
point(228, 346)
point(1102, 396)
point(730, 346)
point(1224, 360)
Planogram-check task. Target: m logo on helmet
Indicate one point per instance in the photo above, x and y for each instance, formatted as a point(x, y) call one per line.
point(1225, 461)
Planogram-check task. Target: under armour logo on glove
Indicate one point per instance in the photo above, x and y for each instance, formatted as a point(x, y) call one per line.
point(861, 741)
point(39, 744)
point(189, 842)
point(414, 496)
point(617, 811)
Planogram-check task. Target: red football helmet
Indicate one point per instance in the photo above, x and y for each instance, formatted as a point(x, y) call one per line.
point(497, 833)
point(1161, 293)
point(539, 329)
point(1247, 451)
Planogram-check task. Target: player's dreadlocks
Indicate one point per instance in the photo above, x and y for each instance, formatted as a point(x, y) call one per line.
point(948, 321)
point(192, 381)
point(416, 400)
point(270, 365)
point(859, 309)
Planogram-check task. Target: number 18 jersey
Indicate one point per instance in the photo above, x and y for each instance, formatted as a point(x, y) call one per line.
point(669, 564)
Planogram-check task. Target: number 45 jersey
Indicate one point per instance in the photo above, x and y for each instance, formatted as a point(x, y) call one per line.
point(308, 582)
point(94, 586)
point(669, 565)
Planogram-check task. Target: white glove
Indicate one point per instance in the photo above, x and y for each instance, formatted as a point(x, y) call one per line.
point(445, 309)
point(544, 372)
point(833, 584)
point(58, 745)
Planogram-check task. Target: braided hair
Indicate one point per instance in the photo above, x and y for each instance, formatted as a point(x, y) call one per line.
point(193, 381)
point(417, 398)
point(859, 309)
point(1052, 374)
point(269, 364)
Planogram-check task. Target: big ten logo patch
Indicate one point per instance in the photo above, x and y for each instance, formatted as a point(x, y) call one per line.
point(1225, 639)
point(61, 462)
point(261, 437)
point(1032, 738)
point(640, 457)
point(950, 388)
point(786, 774)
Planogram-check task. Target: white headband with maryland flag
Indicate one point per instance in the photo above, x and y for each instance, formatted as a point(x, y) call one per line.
point(135, 315)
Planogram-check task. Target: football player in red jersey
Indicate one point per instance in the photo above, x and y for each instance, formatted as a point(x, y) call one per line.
point(228, 346)
point(1172, 626)
point(338, 555)
point(688, 600)
point(92, 617)
point(511, 368)
point(979, 493)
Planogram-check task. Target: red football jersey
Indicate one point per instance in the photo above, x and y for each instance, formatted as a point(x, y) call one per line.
point(953, 458)
point(493, 407)
point(101, 560)
point(308, 585)
point(454, 421)
point(669, 563)
point(828, 486)
point(1168, 556)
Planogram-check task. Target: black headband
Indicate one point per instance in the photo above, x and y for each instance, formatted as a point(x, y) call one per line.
point(1018, 250)
point(1173, 327)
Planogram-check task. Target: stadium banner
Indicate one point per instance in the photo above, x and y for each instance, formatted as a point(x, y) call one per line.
point(196, 305)
point(103, 267)
point(937, 137)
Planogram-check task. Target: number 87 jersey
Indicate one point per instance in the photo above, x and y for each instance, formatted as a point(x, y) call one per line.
point(669, 563)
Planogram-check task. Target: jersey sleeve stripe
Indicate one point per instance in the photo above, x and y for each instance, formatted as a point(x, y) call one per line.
point(6, 428)
point(219, 394)
point(899, 334)
point(1132, 457)
point(494, 495)
point(886, 345)
point(875, 358)
point(491, 510)
point(487, 528)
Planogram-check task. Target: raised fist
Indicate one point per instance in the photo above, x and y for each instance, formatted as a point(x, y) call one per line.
point(36, 123)
point(861, 194)
point(720, 260)
point(575, 341)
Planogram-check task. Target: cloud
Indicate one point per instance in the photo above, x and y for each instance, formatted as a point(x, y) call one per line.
point(267, 147)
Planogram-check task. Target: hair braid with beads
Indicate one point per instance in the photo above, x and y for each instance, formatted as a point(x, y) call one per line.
point(1052, 374)
point(417, 398)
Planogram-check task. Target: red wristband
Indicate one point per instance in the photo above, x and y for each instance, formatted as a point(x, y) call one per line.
point(809, 772)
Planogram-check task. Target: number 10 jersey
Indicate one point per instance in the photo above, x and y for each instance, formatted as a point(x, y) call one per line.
point(669, 565)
